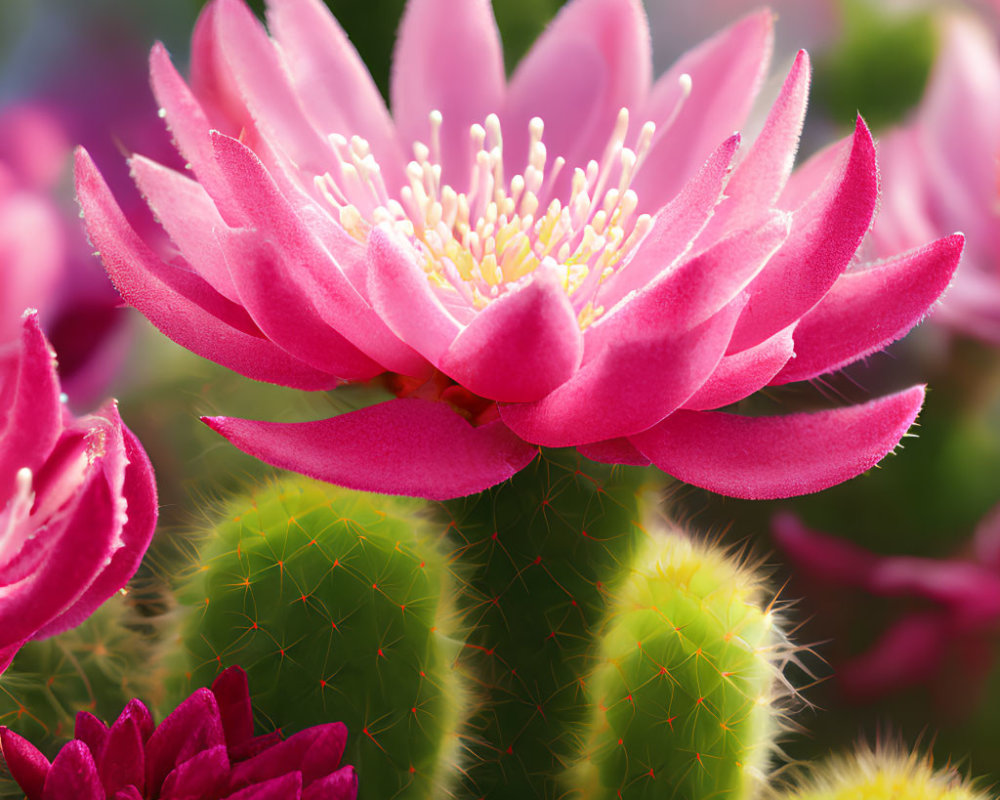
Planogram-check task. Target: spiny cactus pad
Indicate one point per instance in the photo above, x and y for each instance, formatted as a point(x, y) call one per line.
point(683, 693)
point(544, 553)
point(882, 775)
point(335, 603)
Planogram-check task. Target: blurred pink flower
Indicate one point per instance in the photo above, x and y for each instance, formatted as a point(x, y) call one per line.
point(77, 499)
point(606, 299)
point(956, 625)
point(205, 749)
point(941, 174)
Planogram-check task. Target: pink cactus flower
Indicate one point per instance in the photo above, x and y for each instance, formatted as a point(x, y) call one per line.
point(577, 257)
point(205, 749)
point(77, 500)
point(940, 172)
point(956, 626)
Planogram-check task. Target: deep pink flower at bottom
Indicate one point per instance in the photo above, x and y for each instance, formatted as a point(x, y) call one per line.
point(77, 499)
point(577, 257)
point(204, 750)
point(955, 625)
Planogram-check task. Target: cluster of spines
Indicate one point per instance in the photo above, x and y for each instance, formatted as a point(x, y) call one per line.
point(337, 606)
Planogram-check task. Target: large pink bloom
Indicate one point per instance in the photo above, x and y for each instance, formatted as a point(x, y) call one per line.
point(941, 173)
point(608, 289)
point(77, 500)
point(204, 750)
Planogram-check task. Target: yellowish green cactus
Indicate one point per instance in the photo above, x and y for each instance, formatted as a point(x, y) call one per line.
point(882, 774)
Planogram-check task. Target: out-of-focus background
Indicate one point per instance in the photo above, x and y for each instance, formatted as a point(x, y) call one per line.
point(84, 64)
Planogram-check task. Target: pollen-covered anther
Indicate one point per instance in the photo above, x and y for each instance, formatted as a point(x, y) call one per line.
point(479, 241)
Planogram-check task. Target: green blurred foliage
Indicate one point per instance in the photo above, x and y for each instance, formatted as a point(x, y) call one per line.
point(878, 67)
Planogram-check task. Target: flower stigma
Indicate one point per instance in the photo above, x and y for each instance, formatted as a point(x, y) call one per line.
point(480, 242)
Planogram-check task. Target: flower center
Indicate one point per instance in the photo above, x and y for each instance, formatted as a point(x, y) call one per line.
point(477, 243)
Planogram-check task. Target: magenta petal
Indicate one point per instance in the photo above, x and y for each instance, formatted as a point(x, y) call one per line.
point(193, 726)
point(285, 314)
point(726, 72)
point(287, 787)
point(402, 296)
point(232, 694)
point(521, 346)
point(408, 446)
point(136, 710)
point(139, 493)
point(314, 752)
point(122, 762)
point(628, 387)
point(674, 228)
point(822, 556)
point(596, 45)
point(826, 233)
point(741, 374)
point(614, 451)
point(339, 785)
point(318, 274)
point(177, 302)
point(868, 309)
point(26, 764)
point(128, 793)
point(92, 732)
point(448, 58)
point(34, 419)
point(73, 775)
point(762, 458)
point(324, 66)
point(205, 774)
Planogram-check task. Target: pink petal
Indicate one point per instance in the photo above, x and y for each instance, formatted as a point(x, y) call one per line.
point(139, 493)
point(254, 65)
point(26, 764)
point(315, 270)
point(674, 228)
point(83, 535)
point(74, 775)
point(212, 79)
point(760, 177)
point(868, 309)
point(136, 710)
point(339, 785)
point(593, 60)
point(324, 66)
point(629, 386)
point(686, 296)
point(287, 787)
point(521, 346)
point(402, 296)
point(123, 760)
point(128, 793)
point(34, 419)
point(232, 694)
point(178, 302)
point(190, 218)
point(409, 446)
point(189, 126)
point(205, 774)
point(614, 451)
point(190, 728)
point(726, 72)
point(826, 233)
point(285, 314)
point(813, 174)
point(447, 58)
point(741, 374)
point(762, 458)
point(822, 556)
